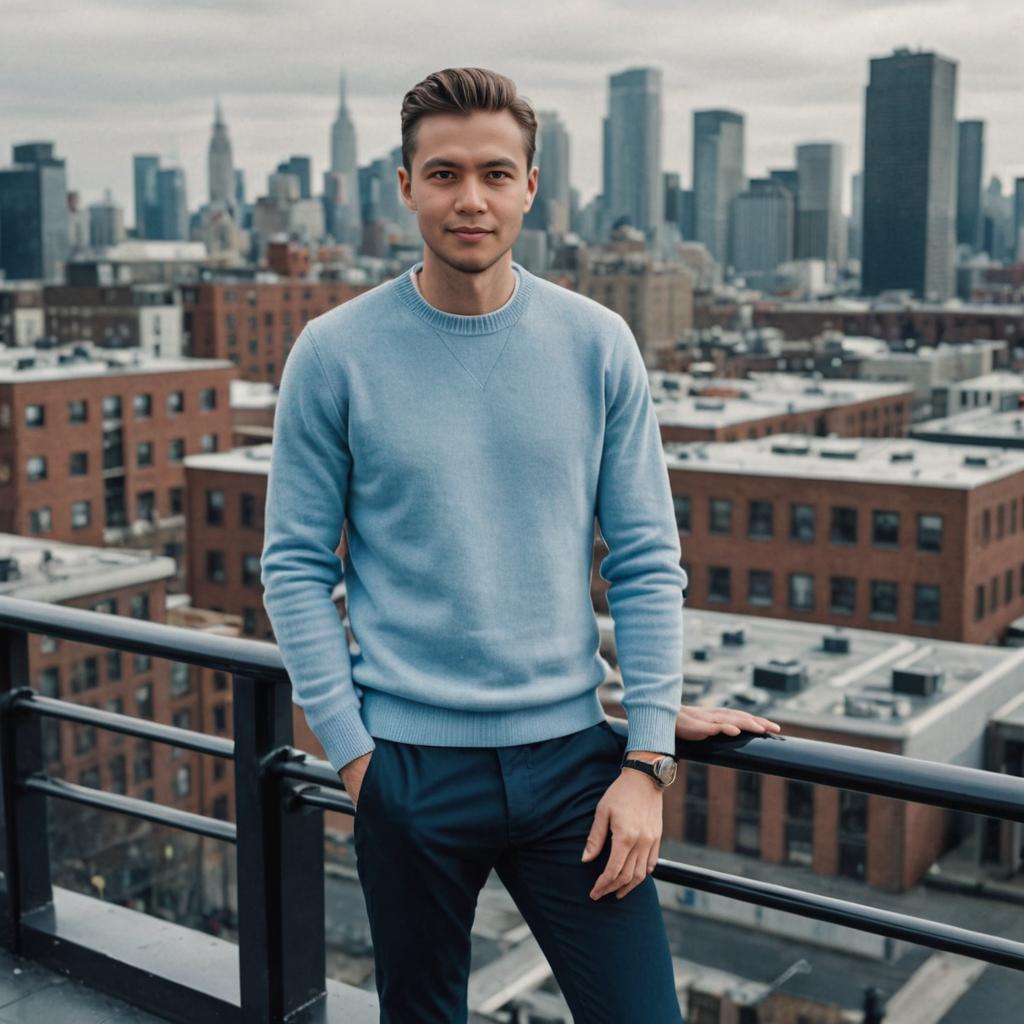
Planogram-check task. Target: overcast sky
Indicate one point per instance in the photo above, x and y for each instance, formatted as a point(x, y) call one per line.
point(108, 78)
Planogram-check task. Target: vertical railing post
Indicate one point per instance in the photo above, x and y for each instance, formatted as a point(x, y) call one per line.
point(280, 851)
point(26, 848)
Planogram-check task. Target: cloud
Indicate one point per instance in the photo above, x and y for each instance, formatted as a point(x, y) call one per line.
point(106, 78)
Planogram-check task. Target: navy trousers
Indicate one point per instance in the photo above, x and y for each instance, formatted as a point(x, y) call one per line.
point(433, 821)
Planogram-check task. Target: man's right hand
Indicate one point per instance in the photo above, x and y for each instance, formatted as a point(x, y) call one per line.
point(352, 775)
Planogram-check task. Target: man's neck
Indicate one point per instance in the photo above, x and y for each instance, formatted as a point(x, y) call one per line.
point(452, 291)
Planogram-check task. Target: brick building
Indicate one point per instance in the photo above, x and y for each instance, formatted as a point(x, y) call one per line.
point(902, 536)
point(92, 444)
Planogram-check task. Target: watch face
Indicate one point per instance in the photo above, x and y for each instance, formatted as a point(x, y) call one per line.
point(666, 769)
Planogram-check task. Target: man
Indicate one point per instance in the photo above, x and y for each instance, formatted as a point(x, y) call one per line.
point(470, 419)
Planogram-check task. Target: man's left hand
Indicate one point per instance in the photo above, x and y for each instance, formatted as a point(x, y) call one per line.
point(632, 805)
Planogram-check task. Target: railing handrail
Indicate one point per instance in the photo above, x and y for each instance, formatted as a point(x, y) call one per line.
point(832, 764)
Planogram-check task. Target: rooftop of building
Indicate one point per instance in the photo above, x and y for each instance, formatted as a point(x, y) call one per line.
point(248, 459)
point(84, 359)
point(985, 425)
point(833, 678)
point(252, 394)
point(683, 399)
point(881, 460)
point(37, 569)
point(887, 304)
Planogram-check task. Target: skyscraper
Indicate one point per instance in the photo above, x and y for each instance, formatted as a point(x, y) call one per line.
point(820, 229)
point(762, 229)
point(718, 176)
point(909, 175)
point(220, 163)
point(855, 238)
point(302, 168)
point(632, 157)
point(1018, 219)
point(33, 214)
point(550, 210)
point(145, 167)
point(970, 168)
point(172, 200)
point(345, 222)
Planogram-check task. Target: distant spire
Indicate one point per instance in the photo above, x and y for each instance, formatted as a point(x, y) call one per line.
point(218, 114)
point(344, 98)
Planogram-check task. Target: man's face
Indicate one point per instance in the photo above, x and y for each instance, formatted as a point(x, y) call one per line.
point(469, 170)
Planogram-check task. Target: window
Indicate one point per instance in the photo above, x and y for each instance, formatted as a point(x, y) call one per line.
point(220, 718)
point(40, 519)
point(111, 407)
point(182, 718)
point(801, 523)
point(883, 599)
point(885, 528)
point(748, 813)
point(176, 500)
point(979, 602)
point(208, 398)
point(106, 606)
point(48, 683)
point(176, 449)
point(115, 669)
point(926, 603)
point(682, 507)
point(247, 510)
point(144, 454)
point(759, 587)
point(140, 606)
point(142, 767)
point(843, 529)
point(141, 663)
point(36, 467)
point(35, 416)
point(801, 591)
point(1000, 521)
point(208, 443)
point(760, 519)
point(220, 680)
point(986, 526)
point(85, 737)
point(176, 402)
point(183, 780)
point(799, 832)
point(78, 410)
point(853, 825)
point(696, 821)
point(721, 515)
point(145, 506)
point(118, 774)
point(143, 406)
point(78, 464)
point(248, 620)
point(81, 514)
point(1008, 586)
point(214, 566)
point(144, 701)
point(181, 678)
point(85, 674)
point(842, 595)
point(719, 583)
point(214, 507)
point(250, 570)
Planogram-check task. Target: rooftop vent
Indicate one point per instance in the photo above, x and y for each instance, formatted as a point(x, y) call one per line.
point(980, 461)
point(709, 404)
point(700, 653)
point(861, 705)
point(904, 455)
point(781, 676)
point(9, 570)
point(839, 453)
point(917, 682)
point(735, 637)
point(833, 644)
point(25, 363)
point(790, 447)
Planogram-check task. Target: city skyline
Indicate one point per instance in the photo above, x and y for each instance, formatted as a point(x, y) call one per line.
point(791, 85)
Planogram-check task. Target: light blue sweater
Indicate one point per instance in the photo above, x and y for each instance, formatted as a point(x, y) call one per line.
point(470, 455)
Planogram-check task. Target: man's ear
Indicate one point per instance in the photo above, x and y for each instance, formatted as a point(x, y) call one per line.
point(409, 203)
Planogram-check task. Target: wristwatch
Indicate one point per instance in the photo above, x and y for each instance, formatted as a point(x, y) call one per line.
point(663, 771)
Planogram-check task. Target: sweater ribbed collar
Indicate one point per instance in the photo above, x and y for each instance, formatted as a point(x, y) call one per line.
point(456, 323)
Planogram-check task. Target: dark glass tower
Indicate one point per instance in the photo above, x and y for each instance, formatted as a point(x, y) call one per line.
point(910, 175)
point(970, 162)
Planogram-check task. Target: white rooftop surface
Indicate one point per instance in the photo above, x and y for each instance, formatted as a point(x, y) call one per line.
point(984, 423)
point(250, 394)
point(882, 460)
point(138, 251)
point(76, 570)
point(882, 305)
point(864, 674)
point(100, 363)
point(997, 380)
point(761, 396)
point(249, 459)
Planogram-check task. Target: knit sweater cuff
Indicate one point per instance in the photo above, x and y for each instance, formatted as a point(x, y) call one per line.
point(651, 728)
point(343, 736)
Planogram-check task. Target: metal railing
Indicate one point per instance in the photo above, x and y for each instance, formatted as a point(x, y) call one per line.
point(281, 794)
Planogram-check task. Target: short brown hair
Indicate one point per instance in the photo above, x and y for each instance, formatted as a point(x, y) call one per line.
point(460, 91)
